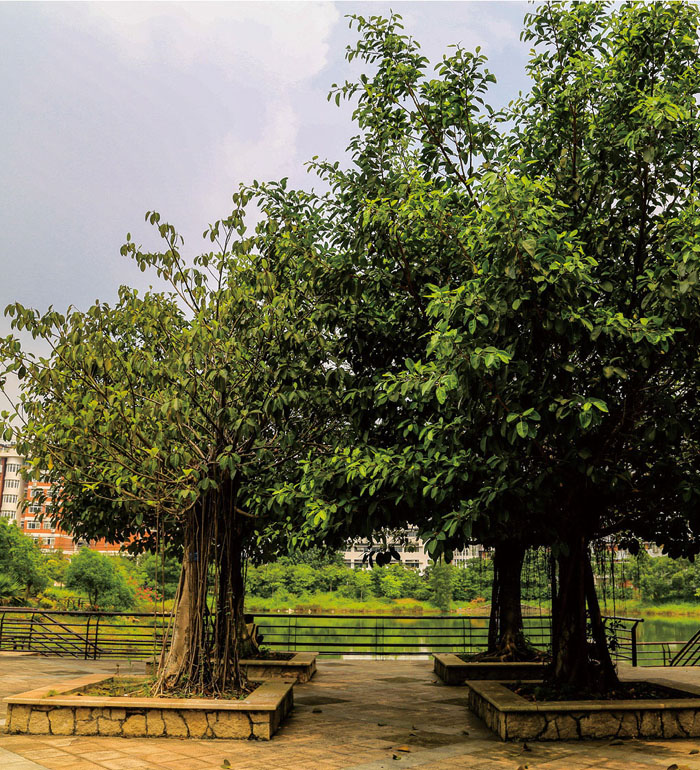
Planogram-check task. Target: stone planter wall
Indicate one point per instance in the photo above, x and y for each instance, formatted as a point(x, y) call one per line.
point(453, 670)
point(515, 719)
point(300, 668)
point(62, 710)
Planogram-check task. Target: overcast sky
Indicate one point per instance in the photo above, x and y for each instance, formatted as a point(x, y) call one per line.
point(112, 109)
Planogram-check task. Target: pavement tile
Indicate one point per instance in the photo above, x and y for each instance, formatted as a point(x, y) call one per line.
point(345, 735)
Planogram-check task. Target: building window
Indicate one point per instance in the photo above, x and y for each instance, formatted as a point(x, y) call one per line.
point(32, 524)
point(12, 467)
point(9, 498)
point(11, 483)
point(7, 514)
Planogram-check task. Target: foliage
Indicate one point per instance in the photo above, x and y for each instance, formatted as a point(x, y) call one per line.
point(9, 591)
point(662, 579)
point(441, 585)
point(159, 574)
point(97, 576)
point(21, 559)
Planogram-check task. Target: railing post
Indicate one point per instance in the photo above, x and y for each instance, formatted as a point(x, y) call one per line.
point(31, 629)
point(633, 635)
point(2, 623)
point(86, 654)
point(97, 636)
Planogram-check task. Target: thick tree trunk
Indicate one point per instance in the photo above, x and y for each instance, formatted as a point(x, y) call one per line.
point(506, 640)
point(576, 663)
point(208, 626)
point(608, 675)
point(569, 640)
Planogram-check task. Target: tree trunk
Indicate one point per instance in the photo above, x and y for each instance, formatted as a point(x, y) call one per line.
point(506, 640)
point(577, 664)
point(208, 625)
point(608, 675)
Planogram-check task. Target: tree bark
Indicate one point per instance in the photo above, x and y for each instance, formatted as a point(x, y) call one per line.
point(569, 643)
point(506, 640)
point(608, 675)
point(208, 626)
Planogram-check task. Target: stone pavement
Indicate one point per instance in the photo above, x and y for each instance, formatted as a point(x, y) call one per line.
point(355, 715)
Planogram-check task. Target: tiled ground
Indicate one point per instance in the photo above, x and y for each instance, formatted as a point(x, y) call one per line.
point(356, 715)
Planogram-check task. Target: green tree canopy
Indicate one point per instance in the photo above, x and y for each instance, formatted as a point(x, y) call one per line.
point(97, 576)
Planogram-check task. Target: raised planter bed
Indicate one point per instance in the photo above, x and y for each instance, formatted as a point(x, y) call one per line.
point(453, 670)
point(61, 710)
point(299, 668)
point(514, 718)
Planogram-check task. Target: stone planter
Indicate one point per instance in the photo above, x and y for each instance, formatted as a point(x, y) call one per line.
point(300, 668)
point(63, 710)
point(453, 670)
point(514, 718)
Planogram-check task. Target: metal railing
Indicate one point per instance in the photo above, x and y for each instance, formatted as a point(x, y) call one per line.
point(139, 635)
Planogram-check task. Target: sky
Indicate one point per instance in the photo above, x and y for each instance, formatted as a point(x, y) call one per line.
point(113, 109)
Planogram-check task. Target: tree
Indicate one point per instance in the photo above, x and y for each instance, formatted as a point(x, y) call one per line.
point(21, 559)
point(441, 579)
point(554, 255)
point(168, 418)
point(97, 576)
point(390, 231)
point(574, 343)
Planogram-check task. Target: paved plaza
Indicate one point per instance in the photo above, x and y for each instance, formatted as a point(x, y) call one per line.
point(355, 715)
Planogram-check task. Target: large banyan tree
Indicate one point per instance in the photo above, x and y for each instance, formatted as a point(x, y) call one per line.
point(169, 418)
point(552, 250)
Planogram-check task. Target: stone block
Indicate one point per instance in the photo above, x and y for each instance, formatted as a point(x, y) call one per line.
point(598, 724)
point(650, 724)
point(524, 726)
point(560, 727)
point(628, 725)
point(689, 720)
point(117, 714)
point(175, 726)
point(155, 726)
point(62, 721)
point(262, 731)
point(38, 722)
point(106, 726)
point(134, 726)
point(86, 726)
point(231, 724)
point(81, 714)
point(18, 718)
point(197, 725)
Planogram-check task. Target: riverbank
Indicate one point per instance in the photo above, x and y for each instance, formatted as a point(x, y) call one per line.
point(330, 603)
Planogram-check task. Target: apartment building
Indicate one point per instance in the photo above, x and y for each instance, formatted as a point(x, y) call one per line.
point(11, 484)
point(412, 551)
point(27, 504)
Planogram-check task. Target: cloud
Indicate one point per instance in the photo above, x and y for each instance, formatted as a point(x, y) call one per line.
point(286, 42)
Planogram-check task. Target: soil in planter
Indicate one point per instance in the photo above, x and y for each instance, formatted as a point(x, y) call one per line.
point(536, 693)
point(533, 656)
point(140, 687)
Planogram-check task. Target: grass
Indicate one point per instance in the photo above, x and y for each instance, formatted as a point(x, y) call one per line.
point(329, 602)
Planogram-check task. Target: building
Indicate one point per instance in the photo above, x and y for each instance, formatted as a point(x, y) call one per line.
point(412, 551)
point(27, 503)
point(11, 484)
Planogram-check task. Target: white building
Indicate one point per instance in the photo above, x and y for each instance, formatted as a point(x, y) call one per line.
point(411, 549)
point(11, 484)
